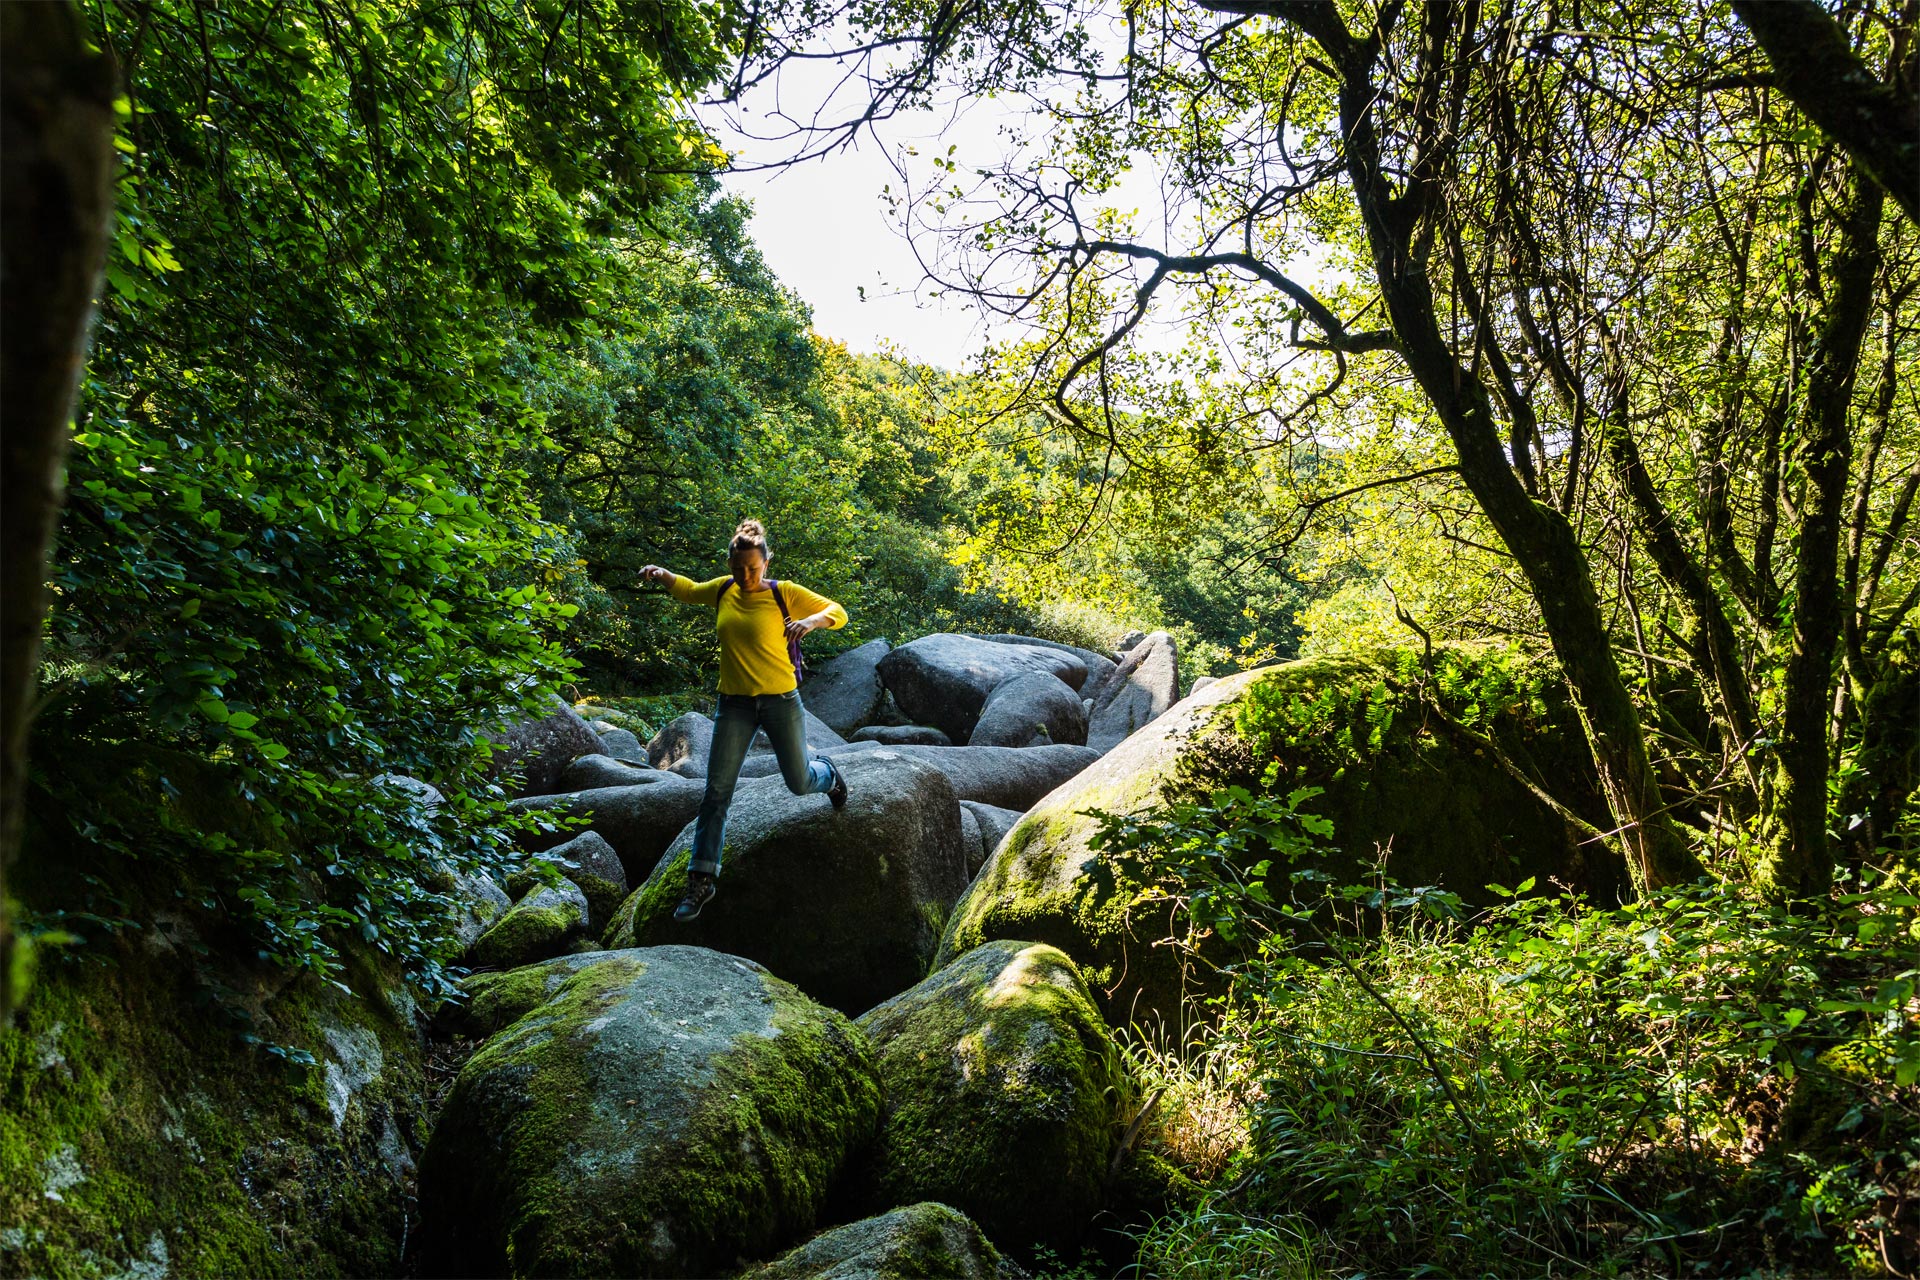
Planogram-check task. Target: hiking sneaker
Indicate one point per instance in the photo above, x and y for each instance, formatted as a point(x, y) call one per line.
point(837, 793)
point(700, 891)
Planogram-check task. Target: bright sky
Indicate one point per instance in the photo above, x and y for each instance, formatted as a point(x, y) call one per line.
point(826, 231)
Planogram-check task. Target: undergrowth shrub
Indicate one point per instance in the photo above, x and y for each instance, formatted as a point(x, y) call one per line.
point(1699, 1082)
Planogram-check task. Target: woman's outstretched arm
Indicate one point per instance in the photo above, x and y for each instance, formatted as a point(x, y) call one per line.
point(811, 611)
point(681, 588)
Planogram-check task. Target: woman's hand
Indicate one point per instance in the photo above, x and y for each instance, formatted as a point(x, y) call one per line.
point(654, 573)
point(798, 627)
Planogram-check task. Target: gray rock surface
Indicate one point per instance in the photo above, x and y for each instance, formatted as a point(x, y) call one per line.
point(659, 1112)
point(686, 739)
point(1007, 777)
point(925, 1239)
point(530, 752)
point(543, 924)
point(845, 691)
point(903, 735)
point(1128, 641)
point(623, 744)
point(972, 839)
point(1201, 683)
point(944, 679)
point(1140, 690)
point(589, 862)
point(767, 765)
point(639, 820)
point(993, 823)
point(1031, 710)
point(589, 772)
point(1099, 665)
point(847, 905)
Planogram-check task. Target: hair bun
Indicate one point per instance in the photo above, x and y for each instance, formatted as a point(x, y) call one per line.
point(750, 535)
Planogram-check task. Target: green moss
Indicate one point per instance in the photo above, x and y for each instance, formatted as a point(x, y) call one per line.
point(152, 1081)
point(656, 896)
point(926, 1241)
point(556, 1158)
point(535, 928)
point(159, 1134)
point(1396, 786)
point(1003, 1087)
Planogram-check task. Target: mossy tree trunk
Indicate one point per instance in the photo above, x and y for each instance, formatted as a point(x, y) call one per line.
point(56, 209)
point(1799, 859)
point(1399, 226)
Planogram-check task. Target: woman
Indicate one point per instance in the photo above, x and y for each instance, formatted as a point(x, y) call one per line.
point(758, 621)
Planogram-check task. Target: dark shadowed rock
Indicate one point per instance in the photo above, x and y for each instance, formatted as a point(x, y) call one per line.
point(944, 679)
point(589, 862)
point(1140, 690)
point(925, 1239)
point(639, 820)
point(1031, 710)
point(1003, 1089)
point(847, 905)
point(903, 735)
point(845, 691)
point(540, 926)
point(623, 744)
point(972, 840)
point(530, 753)
point(686, 739)
point(993, 822)
point(589, 772)
point(658, 1112)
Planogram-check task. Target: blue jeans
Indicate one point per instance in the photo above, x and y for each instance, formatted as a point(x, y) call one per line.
point(735, 719)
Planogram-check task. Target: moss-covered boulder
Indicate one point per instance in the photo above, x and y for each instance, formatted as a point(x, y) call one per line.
point(660, 1112)
point(544, 923)
point(171, 1106)
point(1396, 781)
point(589, 862)
point(1004, 1094)
point(928, 1240)
point(847, 905)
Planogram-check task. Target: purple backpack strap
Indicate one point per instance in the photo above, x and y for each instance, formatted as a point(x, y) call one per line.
point(793, 645)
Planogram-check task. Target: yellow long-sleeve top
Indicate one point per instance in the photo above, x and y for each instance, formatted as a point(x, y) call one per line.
point(753, 638)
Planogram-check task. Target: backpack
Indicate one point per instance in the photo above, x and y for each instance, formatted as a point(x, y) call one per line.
point(793, 645)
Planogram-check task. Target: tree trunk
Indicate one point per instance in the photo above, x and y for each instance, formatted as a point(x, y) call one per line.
point(1539, 537)
point(56, 209)
point(1877, 123)
point(1799, 859)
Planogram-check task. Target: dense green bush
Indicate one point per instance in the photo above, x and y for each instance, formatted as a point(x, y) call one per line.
point(1701, 1080)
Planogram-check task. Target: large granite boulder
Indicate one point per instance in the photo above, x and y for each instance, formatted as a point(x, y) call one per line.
point(687, 740)
point(1031, 710)
point(767, 765)
point(1003, 1095)
point(590, 772)
point(944, 679)
point(589, 862)
point(847, 905)
point(543, 924)
point(903, 735)
point(925, 1239)
point(845, 691)
point(1099, 665)
point(639, 820)
point(1449, 815)
point(661, 1112)
point(1140, 690)
point(1007, 777)
point(530, 752)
